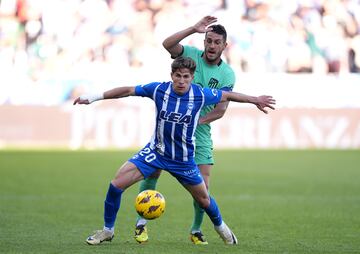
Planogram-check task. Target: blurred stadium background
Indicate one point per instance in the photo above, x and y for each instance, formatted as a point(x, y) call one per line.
point(306, 53)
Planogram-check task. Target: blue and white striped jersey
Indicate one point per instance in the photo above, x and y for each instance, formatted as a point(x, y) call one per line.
point(176, 117)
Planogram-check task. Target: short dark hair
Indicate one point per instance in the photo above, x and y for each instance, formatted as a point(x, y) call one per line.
point(183, 62)
point(218, 29)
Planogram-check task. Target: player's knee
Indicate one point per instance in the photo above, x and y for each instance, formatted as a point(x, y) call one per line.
point(117, 183)
point(204, 202)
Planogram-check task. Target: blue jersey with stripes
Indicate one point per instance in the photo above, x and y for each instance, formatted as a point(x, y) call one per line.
point(176, 117)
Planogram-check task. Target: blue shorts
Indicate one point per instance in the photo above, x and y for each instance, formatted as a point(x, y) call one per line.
point(148, 161)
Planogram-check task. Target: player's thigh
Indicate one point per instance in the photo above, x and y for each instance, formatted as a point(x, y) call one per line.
point(127, 175)
point(156, 174)
point(205, 170)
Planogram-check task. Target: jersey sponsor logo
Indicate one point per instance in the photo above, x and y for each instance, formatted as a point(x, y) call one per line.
point(175, 117)
point(213, 83)
point(190, 172)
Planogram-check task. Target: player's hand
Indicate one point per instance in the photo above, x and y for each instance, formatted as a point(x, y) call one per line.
point(89, 98)
point(265, 101)
point(201, 26)
point(80, 100)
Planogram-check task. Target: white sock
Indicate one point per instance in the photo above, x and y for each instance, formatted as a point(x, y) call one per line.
point(141, 222)
point(109, 229)
point(221, 226)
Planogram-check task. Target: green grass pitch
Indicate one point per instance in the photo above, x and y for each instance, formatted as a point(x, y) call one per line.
point(275, 201)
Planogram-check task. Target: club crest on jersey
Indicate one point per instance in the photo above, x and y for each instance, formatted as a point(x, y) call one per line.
point(214, 92)
point(175, 117)
point(213, 83)
point(190, 105)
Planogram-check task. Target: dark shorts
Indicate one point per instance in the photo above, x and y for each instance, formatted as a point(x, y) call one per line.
point(204, 155)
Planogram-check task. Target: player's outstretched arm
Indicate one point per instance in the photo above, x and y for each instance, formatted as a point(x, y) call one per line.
point(261, 102)
point(115, 93)
point(215, 114)
point(172, 43)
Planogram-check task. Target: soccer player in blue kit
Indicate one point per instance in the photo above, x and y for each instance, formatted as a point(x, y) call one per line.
point(171, 148)
point(212, 72)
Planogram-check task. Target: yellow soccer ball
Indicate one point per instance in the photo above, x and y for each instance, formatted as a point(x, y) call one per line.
point(150, 204)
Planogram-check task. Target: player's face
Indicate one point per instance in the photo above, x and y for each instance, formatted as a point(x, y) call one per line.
point(181, 80)
point(214, 45)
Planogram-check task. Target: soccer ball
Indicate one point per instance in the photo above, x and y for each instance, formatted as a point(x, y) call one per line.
point(150, 204)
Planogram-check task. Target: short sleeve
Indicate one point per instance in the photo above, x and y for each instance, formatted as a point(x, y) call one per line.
point(191, 52)
point(227, 88)
point(229, 81)
point(212, 96)
point(146, 90)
